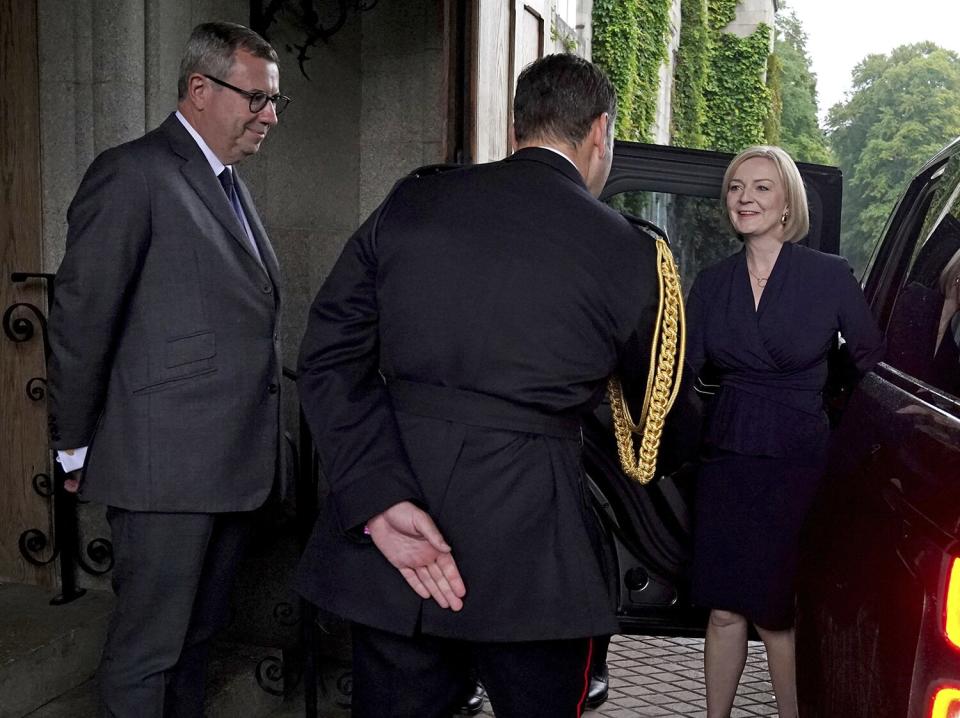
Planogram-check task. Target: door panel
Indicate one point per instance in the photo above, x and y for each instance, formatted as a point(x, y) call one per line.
point(885, 525)
point(23, 443)
point(860, 601)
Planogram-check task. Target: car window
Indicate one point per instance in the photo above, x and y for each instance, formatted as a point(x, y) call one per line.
point(923, 334)
point(697, 227)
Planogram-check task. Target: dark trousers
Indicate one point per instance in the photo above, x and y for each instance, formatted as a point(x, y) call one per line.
point(424, 676)
point(172, 575)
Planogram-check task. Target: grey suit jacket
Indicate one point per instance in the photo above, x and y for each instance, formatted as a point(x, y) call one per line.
point(164, 335)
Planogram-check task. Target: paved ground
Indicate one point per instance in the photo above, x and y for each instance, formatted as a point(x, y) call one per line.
point(649, 677)
point(664, 677)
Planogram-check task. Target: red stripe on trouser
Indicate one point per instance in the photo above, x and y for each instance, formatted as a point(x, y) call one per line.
point(586, 678)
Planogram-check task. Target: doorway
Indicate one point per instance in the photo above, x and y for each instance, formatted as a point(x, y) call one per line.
point(25, 473)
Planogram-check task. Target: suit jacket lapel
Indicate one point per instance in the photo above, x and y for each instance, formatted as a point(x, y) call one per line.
point(259, 233)
point(198, 174)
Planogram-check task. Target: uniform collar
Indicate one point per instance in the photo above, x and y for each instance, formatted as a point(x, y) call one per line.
point(555, 159)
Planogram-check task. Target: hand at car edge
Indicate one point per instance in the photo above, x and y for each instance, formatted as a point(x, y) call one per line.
point(410, 540)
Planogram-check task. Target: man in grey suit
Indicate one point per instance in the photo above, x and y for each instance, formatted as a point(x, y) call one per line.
point(164, 377)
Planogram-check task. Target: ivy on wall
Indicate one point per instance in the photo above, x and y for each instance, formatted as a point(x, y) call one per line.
point(772, 123)
point(737, 98)
point(630, 41)
point(690, 75)
point(720, 98)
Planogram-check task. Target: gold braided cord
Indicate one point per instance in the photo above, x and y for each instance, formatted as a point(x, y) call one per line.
point(667, 348)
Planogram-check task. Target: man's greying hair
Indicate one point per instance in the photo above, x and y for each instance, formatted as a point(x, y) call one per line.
point(558, 97)
point(211, 47)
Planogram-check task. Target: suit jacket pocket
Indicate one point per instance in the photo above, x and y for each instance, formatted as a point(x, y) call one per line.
point(174, 381)
point(191, 348)
point(183, 358)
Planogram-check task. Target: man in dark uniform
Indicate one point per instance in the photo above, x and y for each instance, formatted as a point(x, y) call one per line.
point(467, 325)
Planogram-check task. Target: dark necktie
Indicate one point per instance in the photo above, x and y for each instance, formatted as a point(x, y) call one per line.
point(226, 181)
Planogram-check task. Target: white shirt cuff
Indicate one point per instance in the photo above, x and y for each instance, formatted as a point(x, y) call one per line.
point(72, 459)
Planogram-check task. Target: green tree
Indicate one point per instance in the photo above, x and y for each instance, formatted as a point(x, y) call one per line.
point(799, 130)
point(903, 107)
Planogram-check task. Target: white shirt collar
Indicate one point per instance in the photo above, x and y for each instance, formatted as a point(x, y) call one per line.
point(215, 164)
point(556, 151)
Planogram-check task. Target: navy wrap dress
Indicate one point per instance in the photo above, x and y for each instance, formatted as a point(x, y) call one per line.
point(765, 433)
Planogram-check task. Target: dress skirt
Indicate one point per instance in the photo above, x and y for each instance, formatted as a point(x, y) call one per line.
point(749, 511)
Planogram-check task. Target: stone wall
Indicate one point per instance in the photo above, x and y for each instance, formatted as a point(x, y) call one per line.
point(751, 13)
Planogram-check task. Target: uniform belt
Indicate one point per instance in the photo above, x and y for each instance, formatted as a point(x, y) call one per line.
point(474, 409)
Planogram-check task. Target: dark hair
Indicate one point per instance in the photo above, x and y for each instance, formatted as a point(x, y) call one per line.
point(211, 47)
point(558, 96)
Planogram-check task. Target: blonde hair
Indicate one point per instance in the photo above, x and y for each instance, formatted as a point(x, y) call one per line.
point(797, 224)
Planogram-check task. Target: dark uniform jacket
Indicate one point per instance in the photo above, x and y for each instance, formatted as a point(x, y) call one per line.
point(447, 358)
point(164, 334)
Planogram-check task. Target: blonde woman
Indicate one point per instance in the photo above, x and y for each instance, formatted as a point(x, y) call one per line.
point(764, 319)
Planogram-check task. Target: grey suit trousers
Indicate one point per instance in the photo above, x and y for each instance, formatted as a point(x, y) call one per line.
point(168, 608)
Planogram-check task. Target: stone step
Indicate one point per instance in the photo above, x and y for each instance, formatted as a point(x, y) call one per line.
point(45, 651)
point(334, 686)
point(233, 690)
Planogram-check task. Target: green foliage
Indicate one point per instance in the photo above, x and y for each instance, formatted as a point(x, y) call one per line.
point(737, 98)
point(773, 122)
point(721, 14)
point(800, 132)
point(654, 19)
point(690, 75)
point(903, 107)
point(566, 40)
point(720, 100)
point(616, 37)
point(630, 44)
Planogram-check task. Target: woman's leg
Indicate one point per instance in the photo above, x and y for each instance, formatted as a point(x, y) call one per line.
point(724, 655)
point(782, 661)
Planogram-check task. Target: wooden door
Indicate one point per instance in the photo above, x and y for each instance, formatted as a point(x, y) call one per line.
point(25, 515)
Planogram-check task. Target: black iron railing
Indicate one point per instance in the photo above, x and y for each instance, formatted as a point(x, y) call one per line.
point(21, 321)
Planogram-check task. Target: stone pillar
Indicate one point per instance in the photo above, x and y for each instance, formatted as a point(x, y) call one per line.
point(404, 111)
point(751, 13)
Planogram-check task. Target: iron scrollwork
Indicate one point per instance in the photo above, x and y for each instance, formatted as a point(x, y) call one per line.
point(286, 614)
point(34, 542)
point(37, 388)
point(100, 551)
point(22, 321)
point(21, 329)
point(270, 675)
point(42, 485)
point(304, 17)
point(344, 685)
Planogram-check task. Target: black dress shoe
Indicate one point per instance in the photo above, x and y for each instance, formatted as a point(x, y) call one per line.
point(473, 702)
point(599, 687)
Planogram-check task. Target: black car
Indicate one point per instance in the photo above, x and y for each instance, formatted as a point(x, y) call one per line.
point(878, 630)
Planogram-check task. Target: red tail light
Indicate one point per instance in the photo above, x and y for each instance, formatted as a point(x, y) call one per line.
point(951, 606)
point(946, 701)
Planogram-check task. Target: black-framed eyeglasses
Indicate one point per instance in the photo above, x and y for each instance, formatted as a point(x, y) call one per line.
point(258, 98)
